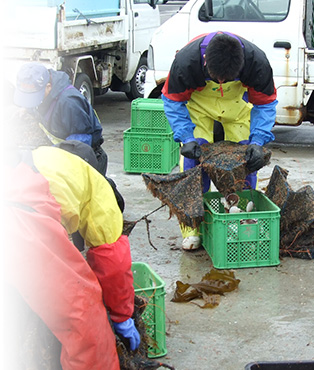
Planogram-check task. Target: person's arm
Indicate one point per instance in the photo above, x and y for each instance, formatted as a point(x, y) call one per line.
point(263, 118)
point(262, 121)
point(84, 138)
point(75, 120)
point(179, 119)
point(111, 264)
point(182, 127)
point(184, 78)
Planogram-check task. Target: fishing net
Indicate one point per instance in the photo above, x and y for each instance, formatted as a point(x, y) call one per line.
point(182, 192)
point(138, 360)
point(225, 164)
point(24, 131)
point(297, 215)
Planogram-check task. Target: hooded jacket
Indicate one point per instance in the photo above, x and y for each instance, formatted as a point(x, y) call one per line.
point(61, 193)
point(65, 112)
point(188, 74)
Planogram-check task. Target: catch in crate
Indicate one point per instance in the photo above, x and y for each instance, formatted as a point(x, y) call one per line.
point(249, 237)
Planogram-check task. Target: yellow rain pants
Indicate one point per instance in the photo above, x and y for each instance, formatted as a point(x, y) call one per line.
point(223, 103)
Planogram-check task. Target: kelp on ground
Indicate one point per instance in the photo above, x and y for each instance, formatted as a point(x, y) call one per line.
point(212, 285)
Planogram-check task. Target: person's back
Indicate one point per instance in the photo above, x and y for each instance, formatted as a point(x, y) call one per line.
point(65, 114)
point(65, 111)
point(49, 273)
point(60, 194)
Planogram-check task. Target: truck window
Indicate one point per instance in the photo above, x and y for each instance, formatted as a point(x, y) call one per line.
point(308, 24)
point(248, 10)
point(141, 1)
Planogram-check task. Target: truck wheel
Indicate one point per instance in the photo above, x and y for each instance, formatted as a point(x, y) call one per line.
point(138, 80)
point(85, 87)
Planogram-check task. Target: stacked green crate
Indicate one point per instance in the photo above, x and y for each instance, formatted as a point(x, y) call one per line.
point(148, 143)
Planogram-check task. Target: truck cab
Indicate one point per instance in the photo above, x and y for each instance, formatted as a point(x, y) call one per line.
point(283, 29)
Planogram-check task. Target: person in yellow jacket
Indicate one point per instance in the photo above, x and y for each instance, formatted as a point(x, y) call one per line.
point(220, 77)
point(50, 193)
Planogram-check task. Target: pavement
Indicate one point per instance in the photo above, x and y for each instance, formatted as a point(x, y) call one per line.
point(294, 135)
point(270, 317)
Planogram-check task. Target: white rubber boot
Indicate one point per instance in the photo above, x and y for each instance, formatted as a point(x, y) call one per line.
point(191, 243)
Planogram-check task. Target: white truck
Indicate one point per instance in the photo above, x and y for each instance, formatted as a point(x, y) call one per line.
point(101, 44)
point(282, 28)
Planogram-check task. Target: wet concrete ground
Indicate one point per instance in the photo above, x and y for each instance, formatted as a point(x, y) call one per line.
point(269, 318)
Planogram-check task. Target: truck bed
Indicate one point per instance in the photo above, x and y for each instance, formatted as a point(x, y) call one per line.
point(51, 28)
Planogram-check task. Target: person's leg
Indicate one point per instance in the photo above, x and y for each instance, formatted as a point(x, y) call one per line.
point(191, 238)
point(204, 134)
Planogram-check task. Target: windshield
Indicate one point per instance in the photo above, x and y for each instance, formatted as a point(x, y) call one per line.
point(250, 10)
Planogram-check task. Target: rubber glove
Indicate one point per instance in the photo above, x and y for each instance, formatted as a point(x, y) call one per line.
point(191, 150)
point(128, 330)
point(254, 157)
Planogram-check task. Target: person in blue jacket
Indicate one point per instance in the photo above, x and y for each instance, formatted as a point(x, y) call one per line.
point(65, 114)
point(220, 77)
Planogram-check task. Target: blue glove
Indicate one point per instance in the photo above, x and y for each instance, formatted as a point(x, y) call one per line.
point(128, 330)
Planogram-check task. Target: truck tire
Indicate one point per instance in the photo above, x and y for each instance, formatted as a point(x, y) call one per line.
point(138, 80)
point(85, 87)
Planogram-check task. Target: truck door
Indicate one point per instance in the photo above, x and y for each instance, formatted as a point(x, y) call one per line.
point(309, 61)
point(276, 27)
point(145, 20)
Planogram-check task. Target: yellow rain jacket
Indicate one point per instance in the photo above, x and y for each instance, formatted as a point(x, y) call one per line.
point(88, 207)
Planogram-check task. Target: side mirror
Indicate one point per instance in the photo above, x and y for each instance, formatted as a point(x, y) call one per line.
point(208, 8)
point(153, 3)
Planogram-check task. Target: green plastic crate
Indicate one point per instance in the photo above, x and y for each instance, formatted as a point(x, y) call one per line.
point(149, 152)
point(148, 115)
point(231, 241)
point(148, 284)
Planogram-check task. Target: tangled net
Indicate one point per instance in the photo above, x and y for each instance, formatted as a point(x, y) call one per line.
point(297, 215)
point(225, 164)
point(137, 360)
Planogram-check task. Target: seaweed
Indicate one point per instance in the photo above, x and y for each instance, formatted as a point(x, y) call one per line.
point(212, 285)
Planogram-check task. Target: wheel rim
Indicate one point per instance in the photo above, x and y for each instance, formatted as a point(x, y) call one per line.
point(140, 79)
point(85, 90)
